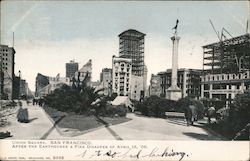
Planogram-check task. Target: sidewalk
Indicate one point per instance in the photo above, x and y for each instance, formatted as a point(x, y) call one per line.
point(37, 126)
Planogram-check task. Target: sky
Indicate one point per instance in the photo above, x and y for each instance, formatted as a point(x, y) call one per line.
point(49, 34)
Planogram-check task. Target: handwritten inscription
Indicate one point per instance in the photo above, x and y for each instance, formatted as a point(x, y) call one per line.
point(135, 154)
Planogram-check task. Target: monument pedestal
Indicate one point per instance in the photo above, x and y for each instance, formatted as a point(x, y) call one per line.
point(173, 93)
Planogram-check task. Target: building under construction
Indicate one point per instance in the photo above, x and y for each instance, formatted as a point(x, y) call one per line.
point(131, 45)
point(226, 66)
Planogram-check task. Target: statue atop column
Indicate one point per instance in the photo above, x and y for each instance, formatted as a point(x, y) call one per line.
point(174, 92)
point(176, 26)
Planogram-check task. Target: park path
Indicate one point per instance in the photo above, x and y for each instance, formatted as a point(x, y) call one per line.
point(145, 128)
point(38, 126)
point(139, 128)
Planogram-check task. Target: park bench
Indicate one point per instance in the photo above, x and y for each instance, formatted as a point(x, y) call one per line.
point(174, 115)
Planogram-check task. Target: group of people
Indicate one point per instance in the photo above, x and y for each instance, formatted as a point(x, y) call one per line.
point(191, 114)
point(38, 101)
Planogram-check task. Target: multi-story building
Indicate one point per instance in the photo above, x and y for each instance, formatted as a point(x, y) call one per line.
point(46, 84)
point(226, 66)
point(41, 82)
point(106, 81)
point(57, 82)
point(145, 76)
point(188, 80)
point(7, 63)
point(137, 88)
point(16, 87)
point(23, 87)
point(121, 76)
point(71, 68)
point(155, 85)
point(131, 45)
point(85, 73)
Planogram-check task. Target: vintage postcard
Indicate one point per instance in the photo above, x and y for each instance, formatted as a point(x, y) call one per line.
point(124, 80)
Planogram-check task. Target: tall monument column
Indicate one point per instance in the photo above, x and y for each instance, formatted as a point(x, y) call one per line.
point(174, 92)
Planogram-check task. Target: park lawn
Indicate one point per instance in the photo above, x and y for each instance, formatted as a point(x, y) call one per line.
point(81, 122)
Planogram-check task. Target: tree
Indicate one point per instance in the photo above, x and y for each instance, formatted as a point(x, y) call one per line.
point(239, 112)
point(78, 98)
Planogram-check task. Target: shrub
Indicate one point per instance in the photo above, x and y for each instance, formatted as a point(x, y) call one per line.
point(239, 112)
point(120, 110)
point(236, 124)
point(184, 103)
point(155, 106)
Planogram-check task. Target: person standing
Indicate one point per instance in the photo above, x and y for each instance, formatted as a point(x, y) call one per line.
point(188, 115)
point(210, 113)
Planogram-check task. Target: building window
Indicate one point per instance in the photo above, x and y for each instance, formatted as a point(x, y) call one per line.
point(206, 87)
point(245, 75)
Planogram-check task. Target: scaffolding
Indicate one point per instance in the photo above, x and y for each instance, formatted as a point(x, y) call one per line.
point(131, 45)
point(227, 56)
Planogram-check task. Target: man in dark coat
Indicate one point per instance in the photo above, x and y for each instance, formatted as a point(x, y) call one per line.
point(188, 115)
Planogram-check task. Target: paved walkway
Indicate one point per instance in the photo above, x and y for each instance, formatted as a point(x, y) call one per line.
point(139, 128)
point(38, 125)
point(145, 128)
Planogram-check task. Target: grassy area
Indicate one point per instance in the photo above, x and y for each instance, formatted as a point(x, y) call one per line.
point(80, 122)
